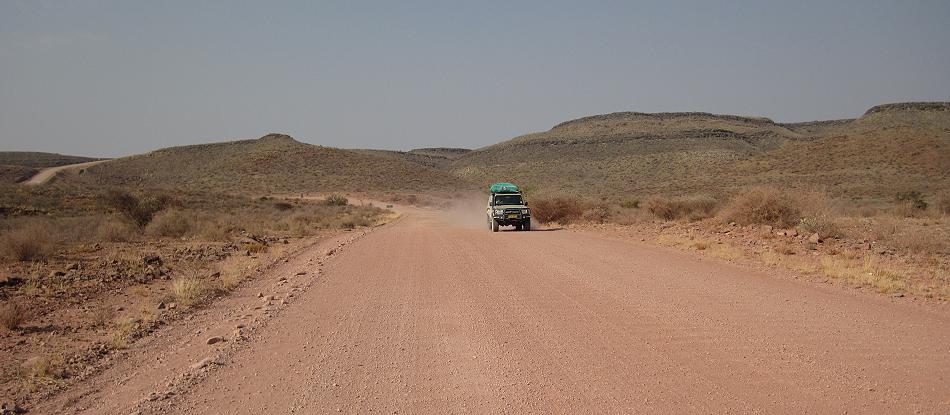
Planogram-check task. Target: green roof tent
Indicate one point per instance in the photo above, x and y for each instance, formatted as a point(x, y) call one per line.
point(503, 188)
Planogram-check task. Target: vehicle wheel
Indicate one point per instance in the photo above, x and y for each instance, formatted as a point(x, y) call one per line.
point(518, 227)
point(489, 222)
point(526, 226)
point(494, 226)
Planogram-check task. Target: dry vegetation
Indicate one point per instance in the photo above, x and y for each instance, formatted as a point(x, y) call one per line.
point(902, 247)
point(166, 253)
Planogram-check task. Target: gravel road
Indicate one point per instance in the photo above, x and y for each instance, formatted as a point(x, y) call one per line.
point(421, 316)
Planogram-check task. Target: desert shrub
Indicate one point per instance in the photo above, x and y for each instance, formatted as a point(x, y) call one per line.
point(11, 315)
point(911, 198)
point(692, 208)
point(630, 203)
point(335, 200)
point(213, 230)
point(561, 210)
point(172, 223)
point(820, 214)
point(139, 211)
point(31, 241)
point(283, 206)
point(762, 205)
point(907, 210)
point(596, 214)
point(114, 230)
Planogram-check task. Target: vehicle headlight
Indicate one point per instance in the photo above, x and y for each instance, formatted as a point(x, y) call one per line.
point(498, 212)
point(526, 211)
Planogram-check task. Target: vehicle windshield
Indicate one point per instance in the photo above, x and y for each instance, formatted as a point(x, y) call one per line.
point(507, 199)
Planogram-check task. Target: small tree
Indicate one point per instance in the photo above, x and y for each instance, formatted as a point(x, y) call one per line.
point(137, 210)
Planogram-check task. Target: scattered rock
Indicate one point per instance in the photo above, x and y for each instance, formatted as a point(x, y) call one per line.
point(56, 273)
point(815, 238)
point(172, 306)
point(301, 272)
point(202, 364)
point(10, 281)
point(152, 259)
point(161, 305)
point(791, 232)
point(215, 275)
point(72, 267)
point(11, 408)
point(215, 340)
point(897, 295)
point(260, 295)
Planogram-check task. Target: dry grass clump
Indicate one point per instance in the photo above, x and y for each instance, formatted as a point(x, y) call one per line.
point(336, 200)
point(11, 315)
point(170, 223)
point(561, 210)
point(188, 291)
point(596, 214)
point(114, 230)
point(44, 368)
point(820, 214)
point(32, 241)
point(122, 332)
point(762, 205)
point(942, 203)
point(870, 272)
point(692, 207)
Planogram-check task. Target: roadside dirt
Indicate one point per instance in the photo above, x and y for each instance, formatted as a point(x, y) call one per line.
point(47, 174)
point(422, 316)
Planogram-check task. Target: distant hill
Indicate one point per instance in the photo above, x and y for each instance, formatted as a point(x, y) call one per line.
point(16, 174)
point(626, 152)
point(273, 163)
point(39, 160)
point(891, 148)
point(436, 158)
point(18, 166)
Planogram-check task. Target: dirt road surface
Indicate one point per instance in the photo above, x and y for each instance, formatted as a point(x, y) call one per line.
point(422, 316)
point(47, 174)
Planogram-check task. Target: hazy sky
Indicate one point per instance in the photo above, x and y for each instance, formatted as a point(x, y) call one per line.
point(108, 78)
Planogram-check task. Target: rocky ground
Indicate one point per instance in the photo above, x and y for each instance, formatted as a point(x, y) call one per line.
point(82, 307)
point(857, 262)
